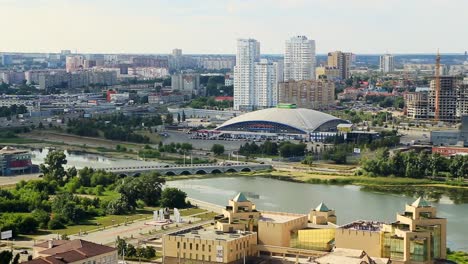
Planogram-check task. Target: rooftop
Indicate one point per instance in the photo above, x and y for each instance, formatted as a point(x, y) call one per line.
point(306, 120)
point(70, 252)
point(210, 234)
point(372, 226)
point(240, 197)
point(322, 208)
point(10, 150)
point(279, 218)
point(420, 202)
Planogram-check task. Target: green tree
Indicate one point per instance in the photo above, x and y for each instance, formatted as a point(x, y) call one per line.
point(436, 163)
point(53, 166)
point(178, 117)
point(217, 149)
point(173, 198)
point(308, 160)
point(151, 188)
point(169, 120)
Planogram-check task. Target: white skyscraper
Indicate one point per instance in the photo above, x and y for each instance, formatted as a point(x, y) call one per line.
point(387, 63)
point(248, 53)
point(299, 59)
point(265, 84)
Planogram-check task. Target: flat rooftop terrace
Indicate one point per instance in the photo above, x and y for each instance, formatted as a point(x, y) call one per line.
point(364, 225)
point(210, 234)
point(279, 217)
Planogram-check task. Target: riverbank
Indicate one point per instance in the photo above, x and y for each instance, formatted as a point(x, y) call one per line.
point(335, 179)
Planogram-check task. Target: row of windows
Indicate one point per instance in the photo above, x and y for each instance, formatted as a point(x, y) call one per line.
point(196, 246)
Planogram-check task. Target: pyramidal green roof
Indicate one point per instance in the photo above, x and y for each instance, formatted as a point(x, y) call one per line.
point(322, 208)
point(420, 202)
point(240, 197)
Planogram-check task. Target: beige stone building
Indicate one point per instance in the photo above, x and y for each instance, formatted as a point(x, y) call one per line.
point(312, 94)
point(417, 236)
point(73, 252)
point(242, 232)
point(208, 246)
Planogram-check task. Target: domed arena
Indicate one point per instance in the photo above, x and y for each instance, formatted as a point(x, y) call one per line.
point(286, 120)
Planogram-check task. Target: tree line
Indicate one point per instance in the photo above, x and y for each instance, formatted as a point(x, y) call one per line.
point(284, 149)
point(411, 164)
point(115, 127)
point(55, 201)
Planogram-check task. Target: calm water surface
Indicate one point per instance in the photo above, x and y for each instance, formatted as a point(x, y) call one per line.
point(82, 159)
point(349, 202)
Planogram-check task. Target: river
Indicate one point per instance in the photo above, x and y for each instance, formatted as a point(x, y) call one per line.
point(350, 202)
point(83, 159)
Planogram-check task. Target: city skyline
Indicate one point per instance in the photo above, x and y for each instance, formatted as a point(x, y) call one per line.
point(144, 26)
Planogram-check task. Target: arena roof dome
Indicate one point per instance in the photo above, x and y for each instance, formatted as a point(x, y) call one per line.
point(283, 119)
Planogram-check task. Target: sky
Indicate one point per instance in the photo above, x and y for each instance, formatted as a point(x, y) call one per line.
point(212, 26)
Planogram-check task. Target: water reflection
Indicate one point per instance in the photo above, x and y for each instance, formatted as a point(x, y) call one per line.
point(81, 159)
point(433, 193)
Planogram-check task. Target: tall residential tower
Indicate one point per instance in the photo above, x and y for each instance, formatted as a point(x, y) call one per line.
point(299, 59)
point(248, 53)
point(387, 63)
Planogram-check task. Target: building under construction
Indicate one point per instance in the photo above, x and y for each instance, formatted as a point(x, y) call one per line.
point(446, 101)
point(452, 100)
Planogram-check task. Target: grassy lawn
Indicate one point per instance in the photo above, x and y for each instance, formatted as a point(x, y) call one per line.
point(191, 211)
point(98, 222)
point(207, 216)
point(18, 140)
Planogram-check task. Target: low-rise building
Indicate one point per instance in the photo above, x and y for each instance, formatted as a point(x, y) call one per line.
point(73, 252)
point(15, 161)
point(208, 246)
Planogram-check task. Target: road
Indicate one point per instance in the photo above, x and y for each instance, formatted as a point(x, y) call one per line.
point(10, 180)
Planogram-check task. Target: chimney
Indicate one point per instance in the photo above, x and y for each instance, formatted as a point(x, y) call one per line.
point(51, 244)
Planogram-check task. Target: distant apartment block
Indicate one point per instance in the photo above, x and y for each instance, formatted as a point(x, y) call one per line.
point(146, 61)
point(341, 61)
point(387, 63)
point(148, 72)
point(74, 63)
point(312, 94)
point(76, 79)
point(186, 83)
point(217, 63)
point(12, 77)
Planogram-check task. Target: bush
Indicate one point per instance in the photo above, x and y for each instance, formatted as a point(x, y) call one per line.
point(55, 223)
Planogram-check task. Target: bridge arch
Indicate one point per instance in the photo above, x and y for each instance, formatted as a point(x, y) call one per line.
point(185, 173)
point(136, 174)
point(200, 172)
point(246, 169)
point(216, 171)
point(231, 170)
point(122, 175)
point(170, 173)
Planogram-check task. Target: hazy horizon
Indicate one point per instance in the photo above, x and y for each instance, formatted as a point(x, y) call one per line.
point(367, 27)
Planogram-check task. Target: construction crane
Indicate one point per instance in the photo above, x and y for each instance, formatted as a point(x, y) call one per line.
point(437, 87)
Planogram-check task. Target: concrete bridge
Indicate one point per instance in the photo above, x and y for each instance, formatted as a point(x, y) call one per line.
point(171, 170)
